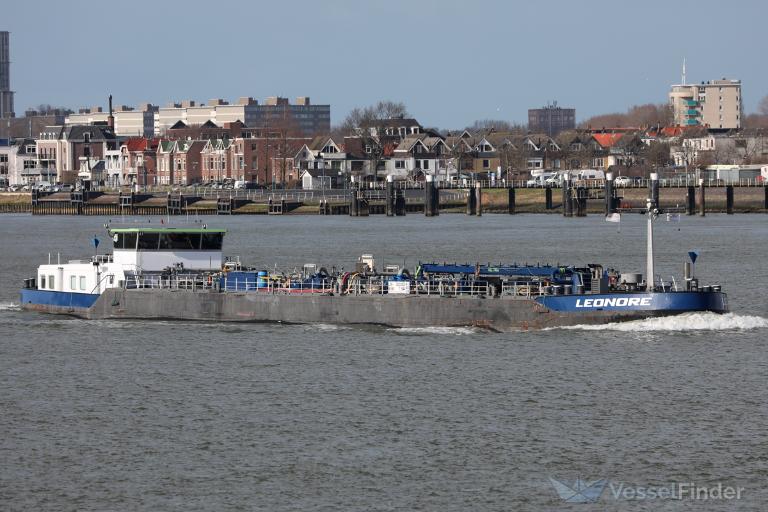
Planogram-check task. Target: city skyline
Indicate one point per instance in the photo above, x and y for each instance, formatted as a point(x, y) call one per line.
point(451, 65)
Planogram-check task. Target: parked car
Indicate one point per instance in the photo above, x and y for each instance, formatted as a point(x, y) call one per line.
point(622, 181)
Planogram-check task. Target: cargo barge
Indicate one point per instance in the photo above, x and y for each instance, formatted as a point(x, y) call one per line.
point(180, 273)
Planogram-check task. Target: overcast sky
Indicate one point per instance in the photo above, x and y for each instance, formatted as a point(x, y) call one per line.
point(451, 62)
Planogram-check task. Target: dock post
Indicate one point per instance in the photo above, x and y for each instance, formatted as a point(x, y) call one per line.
point(479, 199)
point(511, 203)
point(353, 205)
point(435, 197)
point(471, 202)
point(567, 196)
point(609, 202)
point(729, 199)
point(690, 208)
point(548, 198)
point(390, 196)
point(653, 185)
point(765, 200)
point(581, 202)
point(399, 202)
point(702, 199)
point(429, 196)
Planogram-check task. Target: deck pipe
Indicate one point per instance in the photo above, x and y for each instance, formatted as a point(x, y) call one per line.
point(729, 199)
point(609, 202)
point(390, 195)
point(511, 202)
point(702, 199)
point(690, 197)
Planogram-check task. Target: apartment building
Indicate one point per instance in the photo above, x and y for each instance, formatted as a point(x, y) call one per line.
point(129, 121)
point(715, 104)
point(551, 119)
point(301, 117)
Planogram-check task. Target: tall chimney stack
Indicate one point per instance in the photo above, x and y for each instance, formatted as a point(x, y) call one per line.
point(111, 118)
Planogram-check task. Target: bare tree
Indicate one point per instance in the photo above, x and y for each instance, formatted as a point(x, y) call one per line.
point(762, 107)
point(369, 118)
point(637, 116)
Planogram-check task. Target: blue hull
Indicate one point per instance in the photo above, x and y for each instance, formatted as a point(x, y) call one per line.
point(63, 301)
point(669, 302)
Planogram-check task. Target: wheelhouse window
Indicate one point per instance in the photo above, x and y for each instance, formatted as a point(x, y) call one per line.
point(148, 241)
point(51, 282)
point(42, 282)
point(73, 282)
point(180, 241)
point(212, 241)
point(82, 282)
point(124, 240)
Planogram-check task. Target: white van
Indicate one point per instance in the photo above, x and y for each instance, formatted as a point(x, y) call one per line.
point(591, 174)
point(540, 179)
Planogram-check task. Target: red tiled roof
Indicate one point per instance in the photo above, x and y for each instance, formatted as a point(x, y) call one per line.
point(607, 139)
point(140, 143)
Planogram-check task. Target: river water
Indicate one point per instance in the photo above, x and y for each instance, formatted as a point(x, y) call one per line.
point(130, 415)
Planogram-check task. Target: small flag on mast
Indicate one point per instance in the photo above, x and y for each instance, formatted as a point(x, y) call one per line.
point(613, 217)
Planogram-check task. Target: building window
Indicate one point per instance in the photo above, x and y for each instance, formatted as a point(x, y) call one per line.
point(425, 164)
point(399, 164)
point(486, 164)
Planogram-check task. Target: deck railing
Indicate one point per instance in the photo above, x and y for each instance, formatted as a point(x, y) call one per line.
point(353, 286)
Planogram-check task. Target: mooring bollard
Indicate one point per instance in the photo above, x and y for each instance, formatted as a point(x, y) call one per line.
point(702, 199)
point(511, 201)
point(690, 208)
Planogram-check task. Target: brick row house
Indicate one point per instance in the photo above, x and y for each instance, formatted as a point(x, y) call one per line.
point(207, 153)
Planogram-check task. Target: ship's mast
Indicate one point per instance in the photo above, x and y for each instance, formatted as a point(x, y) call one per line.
point(652, 213)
